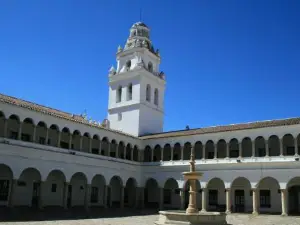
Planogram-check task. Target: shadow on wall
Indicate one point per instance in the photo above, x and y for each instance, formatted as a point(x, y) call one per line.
point(76, 213)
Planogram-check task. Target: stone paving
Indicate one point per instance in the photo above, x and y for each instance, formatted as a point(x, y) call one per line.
point(117, 217)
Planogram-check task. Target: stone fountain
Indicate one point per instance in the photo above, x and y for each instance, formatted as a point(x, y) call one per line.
point(191, 216)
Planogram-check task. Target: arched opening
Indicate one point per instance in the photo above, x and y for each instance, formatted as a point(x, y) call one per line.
point(293, 188)
point(76, 140)
point(77, 190)
point(121, 149)
point(274, 146)
point(129, 92)
point(209, 150)
point(28, 189)
point(28, 133)
point(234, 148)
point(6, 178)
point(269, 195)
point(216, 195)
point(116, 186)
point(288, 144)
point(147, 154)
point(150, 67)
point(221, 149)
point(246, 147)
point(156, 96)
point(130, 193)
point(2, 124)
point(105, 147)
point(53, 136)
point(198, 150)
point(177, 152)
point(98, 190)
point(135, 154)
point(198, 196)
point(41, 133)
point(241, 195)
point(86, 142)
point(148, 93)
point(151, 196)
point(65, 138)
point(260, 147)
point(187, 148)
point(167, 152)
point(53, 189)
point(119, 94)
point(128, 152)
point(13, 125)
point(171, 194)
point(128, 65)
point(157, 153)
point(96, 144)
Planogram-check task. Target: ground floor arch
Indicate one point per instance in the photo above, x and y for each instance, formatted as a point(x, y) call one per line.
point(171, 194)
point(6, 179)
point(116, 192)
point(53, 189)
point(293, 191)
point(77, 190)
point(130, 193)
point(151, 194)
point(241, 195)
point(216, 198)
point(98, 190)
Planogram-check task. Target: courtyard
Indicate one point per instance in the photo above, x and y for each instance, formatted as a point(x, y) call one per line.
point(117, 216)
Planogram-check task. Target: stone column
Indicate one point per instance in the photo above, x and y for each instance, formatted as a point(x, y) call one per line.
point(70, 141)
point(162, 154)
point(41, 202)
point(34, 134)
point(47, 136)
point(58, 139)
point(228, 201)
point(5, 128)
point(172, 153)
point(182, 199)
point(227, 150)
point(11, 193)
point(215, 151)
point(65, 195)
point(240, 150)
point(20, 131)
point(267, 148)
point(117, 150)
point(281, 146)
point(90, 145)
point(296, 145)
point(284, 202)
point(131, 154)
point(203, 199)
point(254, 201)
point(105, 191)
point(122, 198)
point(87, 197)
point(253, 148)
point(140, 198)
point(203, 151)
point(181, 152)
point(152, 154)
point(80, 143)
point(124, 153)
point(161, 198)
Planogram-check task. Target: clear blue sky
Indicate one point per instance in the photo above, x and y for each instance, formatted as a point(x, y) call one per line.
point(225, 61)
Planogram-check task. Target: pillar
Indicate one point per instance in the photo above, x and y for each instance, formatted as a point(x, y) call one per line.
point(203, 199)
point(5, 128)
point(182, 199)
point(34, 134)
point(162, 154)
point(254, 201)
point(228, 201)
point(281, 146)
point(253, 148)
point(90, 145)
point(65, 195)
point(267, 148)
point(117, 150)
point(70, 141)
point(58, 139)
point(47, 136)
point(192, 208)
point(41, 203)
point(131, 153)
point(284, 202)
point(20, 131)
point(203, 151)
point(181, 152)
point(161, 198)
point(227, 150)
point(87, 197)
point(80, 143)
point(105, 191)
point(296, 145)
point(215, 151)
point(122, 198)
point(240, 150)
point(172, 153)
point(140, 198)
point(11, 193)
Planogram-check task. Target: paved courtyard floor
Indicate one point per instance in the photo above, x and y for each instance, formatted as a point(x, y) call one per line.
point(133, 217)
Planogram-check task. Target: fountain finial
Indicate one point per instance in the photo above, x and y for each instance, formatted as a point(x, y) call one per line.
point(192, 161)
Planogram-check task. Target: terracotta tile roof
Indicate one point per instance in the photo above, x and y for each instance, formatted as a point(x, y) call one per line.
point(233, 127)
point(54, 112)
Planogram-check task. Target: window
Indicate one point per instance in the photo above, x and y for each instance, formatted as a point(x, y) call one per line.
point(150, 67)
point(94, 195)
point(128, 64)
point(4, 189)
point(53, 187)
point(119, 94)
point(213, 197)
point(119, 116)
point(42, 140)
point(129, 92)
point(156, 96)
point(265, 198)
point(148, 93)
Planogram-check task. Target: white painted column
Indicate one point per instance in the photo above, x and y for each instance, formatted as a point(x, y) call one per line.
point(161, 198)
point(254, 201)
point(34, 134)
point(215, 151)
point(80, 143)
point(182, 199)
point(20, 131)
point(87, 197)
point(281, 146)
point(47, 135)
point(122, 198)
point(41, 202)
point(203, 151)
point(5, 128)
point(90, 145)
point(131, 154)
point(124, 153)
point(11, 193)
point(267, 148)
point(296, 145)
point(70, 141)
point(240, 150)
point(227, 150)
point(203, 199)
point(253, 148)
point(140, 198)
point(181, 152)
point(284, 202)
point(172, 153)
point(228, 201)
point(162, 154)
point(117, 151)
point(58, 139)
point(65, 195)
point(104, 198)
point(100, 143)
point(152, 154)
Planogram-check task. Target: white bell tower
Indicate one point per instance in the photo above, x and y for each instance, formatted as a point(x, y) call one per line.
point(136, 87)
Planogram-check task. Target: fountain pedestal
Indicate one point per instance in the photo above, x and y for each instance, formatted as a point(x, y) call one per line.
point(191, 216)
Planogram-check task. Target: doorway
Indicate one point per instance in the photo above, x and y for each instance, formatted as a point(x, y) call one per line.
point(239, 200)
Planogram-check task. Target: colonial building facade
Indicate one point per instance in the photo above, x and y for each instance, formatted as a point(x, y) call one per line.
point(52, 158)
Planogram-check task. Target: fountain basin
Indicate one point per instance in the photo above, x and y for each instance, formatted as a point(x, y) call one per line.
point(178, 217)
point(192, 175)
